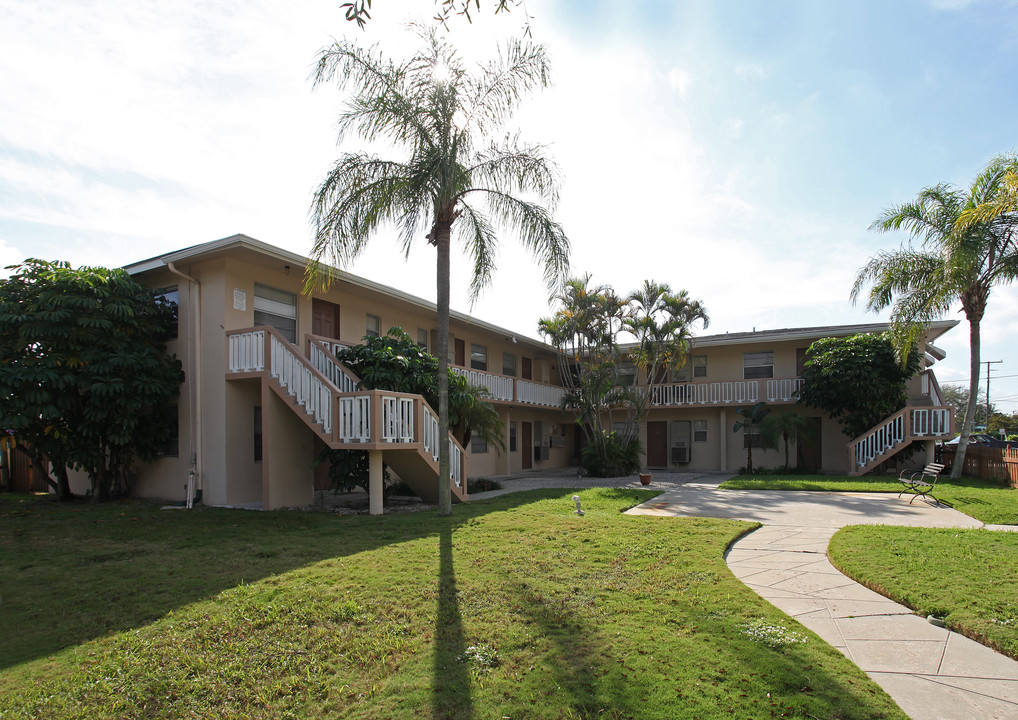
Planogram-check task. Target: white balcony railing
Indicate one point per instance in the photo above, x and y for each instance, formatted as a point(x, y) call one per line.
point(247, 351)
point(532, 393)
point(736, 392)
point(309, 389)
point(500, 386)
point(322, 355)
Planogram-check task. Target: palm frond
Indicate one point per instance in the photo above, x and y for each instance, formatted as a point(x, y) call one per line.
point(512, 168)
point(532, 223)
point(481, 241)
point(493, 96)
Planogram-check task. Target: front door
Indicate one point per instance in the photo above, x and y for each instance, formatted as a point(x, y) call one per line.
point(461, 352)
point(324, 319)
point(809, 448)
point(527, 369)
point(527, 445)
point(657, 444)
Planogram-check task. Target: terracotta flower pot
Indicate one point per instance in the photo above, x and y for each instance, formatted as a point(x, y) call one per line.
point(645, 478)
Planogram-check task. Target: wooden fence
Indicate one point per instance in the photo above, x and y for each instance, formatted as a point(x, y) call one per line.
point(988, 463)
point(23, 477)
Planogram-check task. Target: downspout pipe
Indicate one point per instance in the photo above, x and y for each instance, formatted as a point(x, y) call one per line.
point(196, 428)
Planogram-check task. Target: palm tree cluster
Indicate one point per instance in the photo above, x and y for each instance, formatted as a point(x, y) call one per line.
point(450, 179)
point(600, 373)
point(962, 244)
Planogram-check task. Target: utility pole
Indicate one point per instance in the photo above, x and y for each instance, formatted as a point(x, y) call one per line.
point(987, 363)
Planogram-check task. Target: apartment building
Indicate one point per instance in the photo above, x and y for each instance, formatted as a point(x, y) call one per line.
point(263, 393)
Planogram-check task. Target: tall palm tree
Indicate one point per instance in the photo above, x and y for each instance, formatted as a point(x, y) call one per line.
point(451, 178)
point(966, 245)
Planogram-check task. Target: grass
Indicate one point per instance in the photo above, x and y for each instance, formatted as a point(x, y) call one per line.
point(967, 577)
point(512, 608)
point(983, 500)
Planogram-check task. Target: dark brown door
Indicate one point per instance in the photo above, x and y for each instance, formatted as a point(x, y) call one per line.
point(461, 353)
point(527, 369)
point(657, 444)
point(809, 448)
point(324, 319)
point(527, 445)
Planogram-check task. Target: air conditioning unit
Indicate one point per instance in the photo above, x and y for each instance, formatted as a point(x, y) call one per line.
point(680, 454)
point(541, 452)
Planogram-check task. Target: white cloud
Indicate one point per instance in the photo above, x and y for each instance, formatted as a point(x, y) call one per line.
point(680, 80)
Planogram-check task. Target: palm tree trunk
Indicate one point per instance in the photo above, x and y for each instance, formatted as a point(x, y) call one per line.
point(970, 411)
point(444, 491)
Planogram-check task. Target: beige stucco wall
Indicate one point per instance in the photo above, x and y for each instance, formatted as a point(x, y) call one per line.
point(288, 462)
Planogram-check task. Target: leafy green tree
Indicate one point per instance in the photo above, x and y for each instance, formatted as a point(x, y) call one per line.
point(857, 380)
point(965, 244)
point(1008, 422)
point(787, 426)
point(452, 178)
point(602, 376)
point(752, 417)
point(84, 374)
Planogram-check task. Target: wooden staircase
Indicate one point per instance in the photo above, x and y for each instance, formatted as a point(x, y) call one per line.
point(897, 432)
point(324, 395)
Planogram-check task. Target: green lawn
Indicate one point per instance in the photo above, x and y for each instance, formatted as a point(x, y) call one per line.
point(512, 608)
point(983, 500)
point(968, 577)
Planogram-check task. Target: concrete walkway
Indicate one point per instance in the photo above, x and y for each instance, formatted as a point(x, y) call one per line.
point(932, 673)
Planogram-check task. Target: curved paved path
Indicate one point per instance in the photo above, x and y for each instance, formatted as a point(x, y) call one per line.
point(932, 673)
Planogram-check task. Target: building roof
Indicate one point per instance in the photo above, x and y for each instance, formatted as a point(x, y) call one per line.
point(243, 243)
point(258, 249)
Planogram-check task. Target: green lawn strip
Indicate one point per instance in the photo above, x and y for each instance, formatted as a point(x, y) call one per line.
point(983, 500)
point(513, 607)
point(967, 577)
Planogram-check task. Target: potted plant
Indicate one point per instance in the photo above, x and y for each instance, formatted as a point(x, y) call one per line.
point(645, 478)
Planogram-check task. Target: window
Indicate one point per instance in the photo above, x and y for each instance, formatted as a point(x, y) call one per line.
point(750, 439)
point(422, 339)
point(699, 431)
point(170, 295)
point(509, 364)
point(276, 308)
point(478, 445)
point(758, 365)
point(478, 357)
point(627, 373)
point(257, 433)
point(373, 327)
point(512, 436)
point(699, 366)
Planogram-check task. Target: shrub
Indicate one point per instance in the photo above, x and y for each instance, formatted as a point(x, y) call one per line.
point(477, 485)
point(612, 457)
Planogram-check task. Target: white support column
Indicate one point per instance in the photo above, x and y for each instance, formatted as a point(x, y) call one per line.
point(508, 453)
point(931, 449)
point(723, 437)
point(375, 482)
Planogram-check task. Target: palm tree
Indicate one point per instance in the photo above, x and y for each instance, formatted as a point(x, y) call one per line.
point(439, 114)
point(966, 245)
point(786, 426)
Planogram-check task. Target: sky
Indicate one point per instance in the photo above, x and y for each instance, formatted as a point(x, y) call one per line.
point(738, 150)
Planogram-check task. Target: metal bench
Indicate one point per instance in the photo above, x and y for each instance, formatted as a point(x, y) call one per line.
point(922, 482)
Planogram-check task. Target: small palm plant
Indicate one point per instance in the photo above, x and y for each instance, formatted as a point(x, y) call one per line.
point(752, 416)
